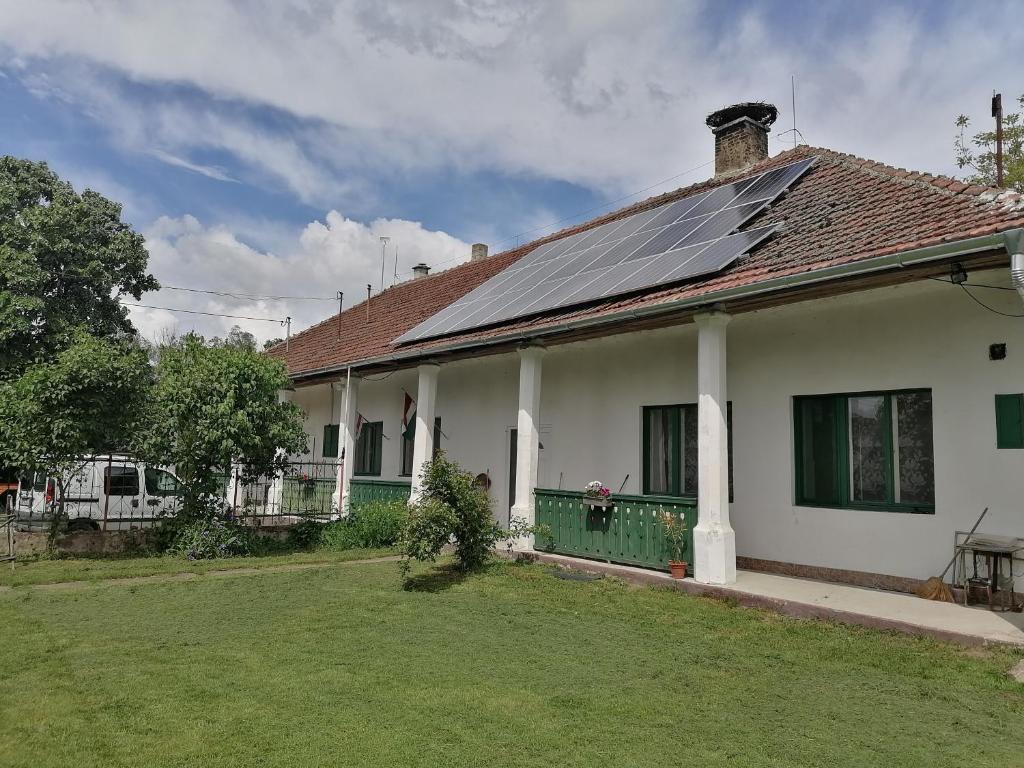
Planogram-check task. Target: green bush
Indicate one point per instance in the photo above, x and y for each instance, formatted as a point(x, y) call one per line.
point(374, 525)
point(451, 506)
point(205, 539)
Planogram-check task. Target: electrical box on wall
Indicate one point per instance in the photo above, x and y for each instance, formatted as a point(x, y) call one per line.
point(996, 351)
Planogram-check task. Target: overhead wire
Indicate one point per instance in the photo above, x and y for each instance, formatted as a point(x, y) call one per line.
point(279, 320)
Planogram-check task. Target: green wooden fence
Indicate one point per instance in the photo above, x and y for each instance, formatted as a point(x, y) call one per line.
point(629, 532)
point(365, 491)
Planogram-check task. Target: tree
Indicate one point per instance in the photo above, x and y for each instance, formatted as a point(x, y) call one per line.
point(217, 405)
point(271, 343)
point(86, 400)
point(65, 259)
point(979, 154)
point(236, 338)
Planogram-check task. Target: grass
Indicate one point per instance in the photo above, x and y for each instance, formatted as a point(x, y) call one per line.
point(341, 667)
point(51, 571)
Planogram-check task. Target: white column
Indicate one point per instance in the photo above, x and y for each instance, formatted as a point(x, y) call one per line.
point(338, 417)
point(527, 438)
point(714, 541)
point(348, 435)
point(276, 494)
point(233, 494)
point(423, 441)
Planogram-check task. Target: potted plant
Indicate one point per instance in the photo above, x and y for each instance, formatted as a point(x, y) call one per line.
point(597, 494)
point(675, 535)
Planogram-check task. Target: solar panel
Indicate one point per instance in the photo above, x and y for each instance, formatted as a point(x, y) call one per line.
point(677, 241)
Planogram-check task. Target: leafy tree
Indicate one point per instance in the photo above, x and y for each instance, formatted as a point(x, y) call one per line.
point(215, 405)
point(271, 342)
point(86, 400)
point(979, 152)
point(236, 338)
point(65, 259)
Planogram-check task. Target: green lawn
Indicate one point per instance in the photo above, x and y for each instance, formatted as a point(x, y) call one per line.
point(98, 569)
point(339, 666)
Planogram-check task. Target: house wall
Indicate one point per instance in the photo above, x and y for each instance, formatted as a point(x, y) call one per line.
point(925, 335)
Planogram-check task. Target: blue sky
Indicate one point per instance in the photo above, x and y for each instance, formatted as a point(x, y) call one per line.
point(268, 145)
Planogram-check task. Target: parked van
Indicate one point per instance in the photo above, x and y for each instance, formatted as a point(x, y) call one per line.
point(113, 493)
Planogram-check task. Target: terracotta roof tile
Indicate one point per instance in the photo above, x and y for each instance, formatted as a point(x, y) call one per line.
point(842, 210)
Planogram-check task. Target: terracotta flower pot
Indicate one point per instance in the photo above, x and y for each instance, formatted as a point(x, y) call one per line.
point(678, 568)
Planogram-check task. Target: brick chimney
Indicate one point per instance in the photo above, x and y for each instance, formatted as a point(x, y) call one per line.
point(479, 252)
point(741, 135)
point(420, 270)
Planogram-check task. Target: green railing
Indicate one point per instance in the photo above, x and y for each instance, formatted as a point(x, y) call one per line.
point(364, 491)
point(630, 532)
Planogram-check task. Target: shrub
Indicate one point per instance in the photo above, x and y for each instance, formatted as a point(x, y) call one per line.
point(451, 506)
point(380, 523)
point(205, 539)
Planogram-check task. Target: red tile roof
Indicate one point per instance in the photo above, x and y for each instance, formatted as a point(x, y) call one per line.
point(843, 209)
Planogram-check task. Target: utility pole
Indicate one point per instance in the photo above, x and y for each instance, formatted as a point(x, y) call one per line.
point(384, 240)
point(368, 289)
point(288, 333)
point(997, 113)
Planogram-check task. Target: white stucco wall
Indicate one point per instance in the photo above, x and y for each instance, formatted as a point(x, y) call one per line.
point(926, 335)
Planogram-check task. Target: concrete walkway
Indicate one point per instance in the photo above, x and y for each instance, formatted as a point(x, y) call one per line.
point(837, 602)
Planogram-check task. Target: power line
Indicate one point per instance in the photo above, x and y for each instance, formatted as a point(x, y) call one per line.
point(248, 295)
point(278, 320)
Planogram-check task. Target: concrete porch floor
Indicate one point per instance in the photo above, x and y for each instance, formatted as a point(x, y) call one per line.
point(807, 598)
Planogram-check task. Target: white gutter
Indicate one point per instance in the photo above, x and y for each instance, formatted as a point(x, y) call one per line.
point(1008, 240)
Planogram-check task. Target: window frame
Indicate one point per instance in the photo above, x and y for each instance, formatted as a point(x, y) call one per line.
point(678, 468)
point(377, 449)
point(1009, 426)
point(332, 436)
point(843, 466)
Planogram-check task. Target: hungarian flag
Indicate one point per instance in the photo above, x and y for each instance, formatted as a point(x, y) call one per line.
point(359, 423)
point(408, 417)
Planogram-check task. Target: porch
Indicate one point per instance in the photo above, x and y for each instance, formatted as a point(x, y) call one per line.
point(812, 599)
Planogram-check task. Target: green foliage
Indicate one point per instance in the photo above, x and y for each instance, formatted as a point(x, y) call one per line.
point(979, 152)
point(86, 399)
point(214, 405)
point(206, 539)
point(375, 525)
point(451, 507)
point(675, 534)
point(65, 259)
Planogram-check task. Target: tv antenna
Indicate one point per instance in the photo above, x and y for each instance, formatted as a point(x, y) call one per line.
point(794, 130)
point(384, 240)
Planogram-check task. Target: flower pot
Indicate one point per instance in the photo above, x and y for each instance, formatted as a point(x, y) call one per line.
point(598, 503)
point(678, 568)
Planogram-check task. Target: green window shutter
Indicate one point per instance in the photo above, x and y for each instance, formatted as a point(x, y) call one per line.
point(331, 441)
point(1010, 421)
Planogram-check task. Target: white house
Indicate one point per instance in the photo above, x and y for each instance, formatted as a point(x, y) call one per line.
point(834, 395)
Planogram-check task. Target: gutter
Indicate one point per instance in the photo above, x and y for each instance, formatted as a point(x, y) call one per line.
point(862, 267)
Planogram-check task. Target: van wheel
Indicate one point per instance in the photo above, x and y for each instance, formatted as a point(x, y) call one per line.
point(82, 524)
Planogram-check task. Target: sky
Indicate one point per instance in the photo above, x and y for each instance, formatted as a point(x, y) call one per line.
point(263, 147)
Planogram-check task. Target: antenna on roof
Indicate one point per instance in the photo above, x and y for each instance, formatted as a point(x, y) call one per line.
point(794, 130)
point(396, 266)
point(384, 240)
point(368, 289)
point(341, 302)
point(288, 333)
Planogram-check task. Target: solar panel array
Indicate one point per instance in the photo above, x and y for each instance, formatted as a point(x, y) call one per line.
point(676, 241)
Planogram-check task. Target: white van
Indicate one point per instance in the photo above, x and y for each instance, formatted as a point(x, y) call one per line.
point(113, 493)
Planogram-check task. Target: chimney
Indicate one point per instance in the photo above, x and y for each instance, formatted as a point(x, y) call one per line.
point(479, 252)
point(741, 135)
point(420, 270)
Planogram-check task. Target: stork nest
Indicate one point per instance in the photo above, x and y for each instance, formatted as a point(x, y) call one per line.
point(758, 111)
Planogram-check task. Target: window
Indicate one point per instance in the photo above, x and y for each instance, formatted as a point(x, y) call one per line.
point(670, 449)
point(865, 451)
point(368, 448)
point(409, 440)
point(121, 481)
point(1009, 421)
point(330, 450)
point(160, 483)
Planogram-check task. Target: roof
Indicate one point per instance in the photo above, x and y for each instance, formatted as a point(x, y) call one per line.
point(844, 209)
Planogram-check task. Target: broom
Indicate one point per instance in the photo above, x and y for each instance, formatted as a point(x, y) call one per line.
point(937, 589)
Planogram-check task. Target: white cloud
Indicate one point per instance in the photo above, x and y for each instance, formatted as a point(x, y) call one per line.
point(322, 258)
point(607, 94)
point(210, 171)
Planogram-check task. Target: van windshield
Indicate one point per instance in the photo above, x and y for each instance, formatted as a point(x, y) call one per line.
point(39, 481)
